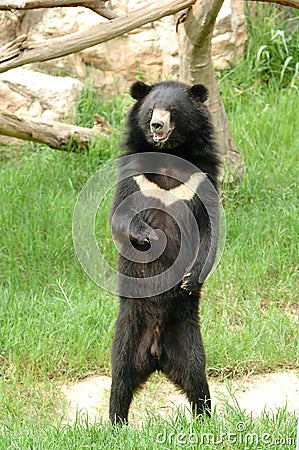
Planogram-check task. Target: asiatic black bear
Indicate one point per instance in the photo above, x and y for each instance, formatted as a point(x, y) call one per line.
point(165, 217)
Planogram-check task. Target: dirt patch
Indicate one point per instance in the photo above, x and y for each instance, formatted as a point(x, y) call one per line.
point(89, 398)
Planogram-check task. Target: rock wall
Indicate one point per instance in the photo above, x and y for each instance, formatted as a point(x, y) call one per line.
point(229, 33)
point(150, 51)
point(35, 94)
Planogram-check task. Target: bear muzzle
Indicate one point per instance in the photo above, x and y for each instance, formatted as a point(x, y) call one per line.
point(160, 125)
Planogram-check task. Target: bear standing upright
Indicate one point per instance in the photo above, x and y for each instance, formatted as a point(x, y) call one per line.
point(165, 217)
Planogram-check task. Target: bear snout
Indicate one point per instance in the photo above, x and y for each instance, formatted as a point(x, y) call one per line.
point(160, 125)
point(157, 126)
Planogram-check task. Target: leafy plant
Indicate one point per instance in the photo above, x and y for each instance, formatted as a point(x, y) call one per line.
point(273, 48)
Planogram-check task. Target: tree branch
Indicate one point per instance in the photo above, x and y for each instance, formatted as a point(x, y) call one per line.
point(291, 3)
point(22, 51)
point(201, 19)
point(58, 135)
point(97, 6)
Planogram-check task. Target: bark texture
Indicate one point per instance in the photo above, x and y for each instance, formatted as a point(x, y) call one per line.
point(58, 135)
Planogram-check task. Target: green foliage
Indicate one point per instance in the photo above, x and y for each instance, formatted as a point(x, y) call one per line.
point(272, 49)
point(92, 101)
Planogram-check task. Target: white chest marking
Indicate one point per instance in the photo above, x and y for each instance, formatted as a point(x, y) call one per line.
point(184, 191)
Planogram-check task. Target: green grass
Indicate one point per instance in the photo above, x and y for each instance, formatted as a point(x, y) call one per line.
point(255, 286)
point(56, 325)
point(48, 304)
point(272, 48)
point(233, 429)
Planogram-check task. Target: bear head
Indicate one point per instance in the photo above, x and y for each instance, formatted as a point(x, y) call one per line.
point(171, 113)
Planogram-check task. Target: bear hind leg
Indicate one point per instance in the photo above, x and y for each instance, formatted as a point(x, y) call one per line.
point(184, 365)
point(198, 394)
point(122, 391)
point(196, 388)
point(131, 366)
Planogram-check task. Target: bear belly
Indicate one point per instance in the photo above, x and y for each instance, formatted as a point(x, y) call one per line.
point(175, 221)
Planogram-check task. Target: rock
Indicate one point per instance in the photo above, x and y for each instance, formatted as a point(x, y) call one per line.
point(30, 93)
point(35, 109)
point(9, 26)
point(11, 100)
point(35, 94)
point(151, 51)
point(229, 33)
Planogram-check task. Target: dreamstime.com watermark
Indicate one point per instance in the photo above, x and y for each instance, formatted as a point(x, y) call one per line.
point(240, 436)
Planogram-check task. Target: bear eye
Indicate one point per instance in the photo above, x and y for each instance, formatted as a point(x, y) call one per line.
point(150, 111)
point(173, 111)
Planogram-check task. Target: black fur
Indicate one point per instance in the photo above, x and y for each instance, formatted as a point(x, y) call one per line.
point(161, 332)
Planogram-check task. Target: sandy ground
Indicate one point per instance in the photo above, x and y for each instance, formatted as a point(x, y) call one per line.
point(90, 397)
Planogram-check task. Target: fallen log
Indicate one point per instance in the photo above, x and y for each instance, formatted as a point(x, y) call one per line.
point(57, 135)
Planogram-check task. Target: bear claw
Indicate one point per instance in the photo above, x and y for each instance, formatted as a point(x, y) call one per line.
point(188, 283)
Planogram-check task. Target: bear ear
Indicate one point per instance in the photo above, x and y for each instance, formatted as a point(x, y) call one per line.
point(139, 90)
point(199, 91)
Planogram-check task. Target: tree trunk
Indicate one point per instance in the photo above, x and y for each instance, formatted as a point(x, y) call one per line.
point(195, 32)
point(195, 44)
point(58, 135)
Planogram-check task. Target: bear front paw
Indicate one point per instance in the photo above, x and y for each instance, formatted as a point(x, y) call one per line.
point(190, 282)
point(142, 236)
